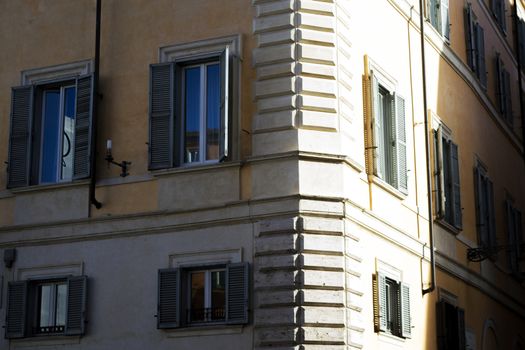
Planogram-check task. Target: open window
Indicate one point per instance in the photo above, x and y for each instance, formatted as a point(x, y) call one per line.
point(43, 307)
point(50, 132)
point(192, 104)
point(203, 295)
point(446, 178)
point(385, 128)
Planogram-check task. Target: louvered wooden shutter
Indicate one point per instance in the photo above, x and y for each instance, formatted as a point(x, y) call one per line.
point(507, 97)
point(491, 216)
point(499, 83)
point(401, 145)
point(441, 173)
point(224, 141)
point(377, 131)
point(76, 305)
point(482, 71)
point(368, 121)
point(469, 32)
point(16, 309)
point(237, 293)
point(381, 302)
point(19, 138)
point(441, 312)
point(480, 196)
point(511, 236)
point(461, 328)
point(169, 299)
point(433, 13)
point(161, 115)
point(456, 190)
point(445, 19)
point(406, 324)
point(83, 127)
point(498, 8)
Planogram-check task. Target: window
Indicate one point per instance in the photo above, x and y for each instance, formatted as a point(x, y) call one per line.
point(50, 132)
point(498, 11)
point(439, 17)
point(46, 307)
point(387, 128)
point(503, 90)
point(191, 104)
point(391, 306)
point(203, 295)
point(450, 326)
point(475, 46)
point(446, 178)
point(515, 241)
point(485, 215)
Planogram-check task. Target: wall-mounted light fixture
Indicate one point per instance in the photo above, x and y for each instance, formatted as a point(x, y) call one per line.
point(482, 253)
point(109, 158)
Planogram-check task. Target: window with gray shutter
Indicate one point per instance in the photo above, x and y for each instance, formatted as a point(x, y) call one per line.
point(36, 154)
point(19, 137)
point(76, 305)
point(400, 145)
point(406, 324)
point(480, 52)
point(445, 19)
point(169, 298)
point(46, 307)
point(237, 293)
point(16, 309)
point(203, 295)
point(161, 118)
point(190, 108)
point(456, 190)
point(83, 127)
point(470, 37)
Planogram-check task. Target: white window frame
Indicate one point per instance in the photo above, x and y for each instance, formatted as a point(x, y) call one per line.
point(60, 140)
point(211, 49)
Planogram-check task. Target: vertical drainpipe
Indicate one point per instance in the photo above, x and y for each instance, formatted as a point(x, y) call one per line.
point(520, 83)
point(427, 154)
point(93, 172)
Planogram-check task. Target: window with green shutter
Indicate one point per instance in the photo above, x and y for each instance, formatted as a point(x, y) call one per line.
point(515, 241)
point(215, 294)
point(391, 306)
point(46, 307)
point(439, 16)
point(503, 92)
point(447, 178)
point(499, 13)
point(50, 132)
point(475, 39)
point(485, 211)
point(388, 132)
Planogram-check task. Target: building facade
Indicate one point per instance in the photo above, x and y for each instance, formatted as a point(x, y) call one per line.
point(262, 174)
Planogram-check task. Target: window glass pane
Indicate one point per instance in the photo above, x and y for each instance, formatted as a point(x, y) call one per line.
point(50, 136)
point(45, 306)
point(61, 305)
point(68, 137)
point(192, 100)
point(197, 302)
point(213, 108)
point(218, 294)
point(448, 181)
